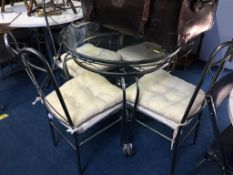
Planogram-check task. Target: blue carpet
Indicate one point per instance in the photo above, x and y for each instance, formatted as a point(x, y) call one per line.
point(26, 147)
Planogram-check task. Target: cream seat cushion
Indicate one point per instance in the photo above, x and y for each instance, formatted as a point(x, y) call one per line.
point(85, 96)
point(73, 68)
point(165, 95)
point(91, 51)
point(142, 51)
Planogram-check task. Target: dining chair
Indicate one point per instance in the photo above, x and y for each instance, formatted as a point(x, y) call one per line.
point(7, 59)
point(9, 55)
point(221, 151)
point(146, 50)
point(88, 41)
point(10, 44)
point(143, 50)
point(78, 104)
point(88, 50)
point(175, 102)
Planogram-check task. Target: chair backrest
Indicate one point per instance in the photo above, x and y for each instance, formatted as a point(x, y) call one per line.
point(222, 89)
point(11, 44)
point(27, 56)
point(213, 62)
point(4, 53)
point(223, 140)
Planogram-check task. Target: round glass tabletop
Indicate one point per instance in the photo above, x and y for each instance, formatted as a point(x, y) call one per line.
point(90, 43)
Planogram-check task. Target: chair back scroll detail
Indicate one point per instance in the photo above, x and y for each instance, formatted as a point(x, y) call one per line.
point(11, 44)
point(212, 63)
point(27, 56)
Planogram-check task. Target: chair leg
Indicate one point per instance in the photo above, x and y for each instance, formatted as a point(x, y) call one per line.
point(1, 70)
point(76, 139)
point(174, 151)
point(1, 106)
point(213, 119)
point(52, 133)
point(197, 128)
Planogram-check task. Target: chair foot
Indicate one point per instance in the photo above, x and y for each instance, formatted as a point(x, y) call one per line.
point(197, 129)
point(196, 133)
point(175, 149)
point(127, 149)
point(76, 139)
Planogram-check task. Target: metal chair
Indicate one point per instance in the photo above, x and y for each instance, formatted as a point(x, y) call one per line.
point(9, 49)
point(78, 104)
point(91, 43)
point(173, 101)
point(217, 152)
point(143, 50)
point(10, 44)
point(6, 59)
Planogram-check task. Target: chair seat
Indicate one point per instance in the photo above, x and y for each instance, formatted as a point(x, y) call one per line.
point(166, 95)
point(91, 51)
point(73, 67)
point(85, 96)
point(142, 51)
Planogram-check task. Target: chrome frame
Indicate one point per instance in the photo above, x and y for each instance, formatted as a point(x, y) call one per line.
point(25, 54)
point(185, 120)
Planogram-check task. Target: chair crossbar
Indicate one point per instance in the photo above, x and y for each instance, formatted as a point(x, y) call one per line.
point(99, 132)
point(153, 130)
point(165, 136)
point(89, 138)
point(190, 131)
point(63, 136)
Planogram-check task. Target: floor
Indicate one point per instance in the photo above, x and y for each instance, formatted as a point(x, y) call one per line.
point(26, 146)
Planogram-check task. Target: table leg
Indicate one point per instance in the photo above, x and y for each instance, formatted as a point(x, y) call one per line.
point(127, 146)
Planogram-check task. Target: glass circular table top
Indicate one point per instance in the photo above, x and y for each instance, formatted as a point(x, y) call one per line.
point(95, 44)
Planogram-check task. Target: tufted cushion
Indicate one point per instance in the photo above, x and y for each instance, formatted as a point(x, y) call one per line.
point(91, 51)
point(166, 95)
point(85, 96)
point(145, 50)
point(73, 68)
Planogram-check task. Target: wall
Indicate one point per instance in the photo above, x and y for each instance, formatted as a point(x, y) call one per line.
point(222, 30)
